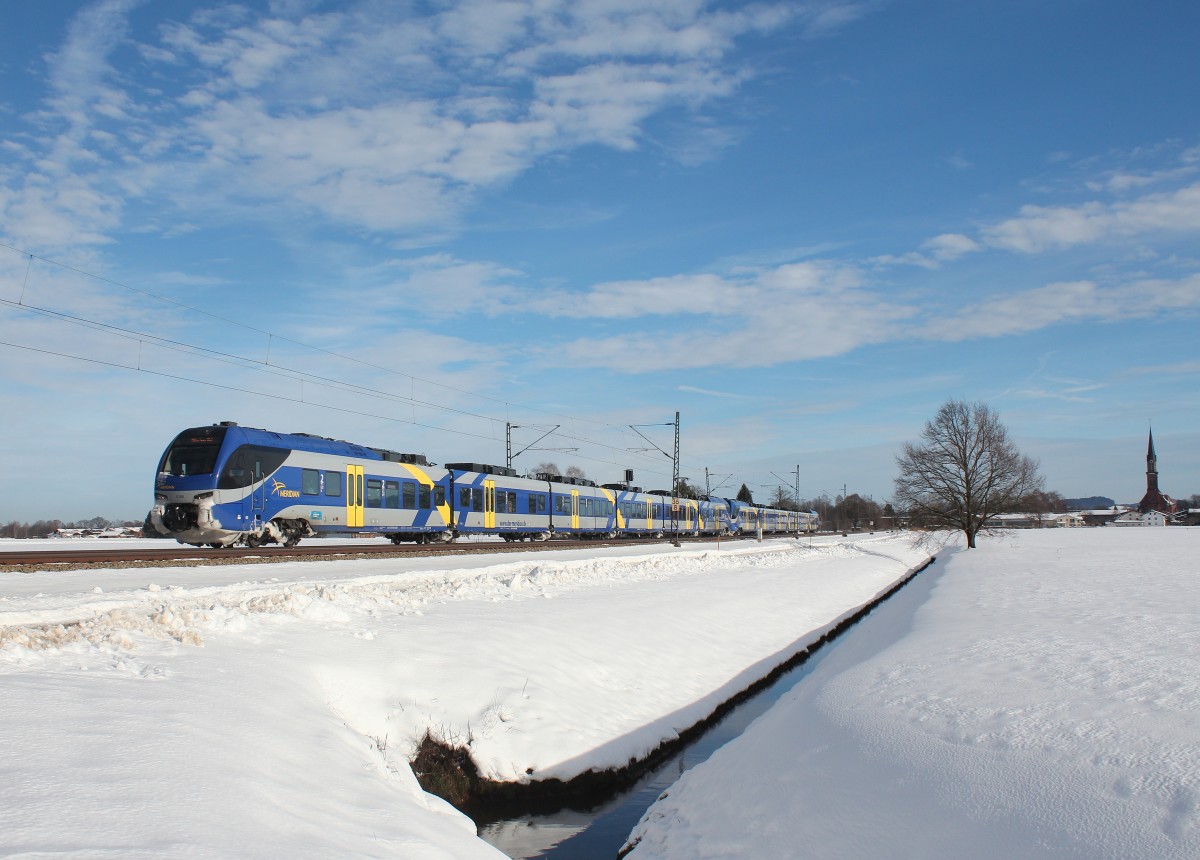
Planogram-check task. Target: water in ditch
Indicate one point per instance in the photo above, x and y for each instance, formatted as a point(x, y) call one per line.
point(599, 833)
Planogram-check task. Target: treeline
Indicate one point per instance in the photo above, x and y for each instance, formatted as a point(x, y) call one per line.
point(45, 528)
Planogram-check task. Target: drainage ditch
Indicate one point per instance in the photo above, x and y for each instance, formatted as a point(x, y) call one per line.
point(590, 817)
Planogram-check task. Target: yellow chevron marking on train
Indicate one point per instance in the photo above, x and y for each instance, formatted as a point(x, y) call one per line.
point(443, 509)
point(612, 497)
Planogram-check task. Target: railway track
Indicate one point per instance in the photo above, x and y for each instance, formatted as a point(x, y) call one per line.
point(314, 551)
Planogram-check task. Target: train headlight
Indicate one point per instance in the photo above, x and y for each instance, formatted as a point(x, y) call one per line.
point(202, 496)
point(158, 497)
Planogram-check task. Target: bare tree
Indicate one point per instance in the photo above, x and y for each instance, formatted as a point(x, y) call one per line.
point(965, 472)
point(783, 500)
point(855, 512)
point(543, 468)
point(1041, 504)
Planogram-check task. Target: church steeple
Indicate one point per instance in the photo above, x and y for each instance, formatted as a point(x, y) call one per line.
point(1154, 500)
point(1151, 466)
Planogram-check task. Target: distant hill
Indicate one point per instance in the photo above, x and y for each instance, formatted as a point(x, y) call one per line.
point(1089, 503)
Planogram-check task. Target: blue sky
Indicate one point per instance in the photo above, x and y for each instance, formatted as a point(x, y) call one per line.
point(804, 226)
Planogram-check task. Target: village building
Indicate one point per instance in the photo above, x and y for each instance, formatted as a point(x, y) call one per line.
point(1135, 518)
point(1102, 516)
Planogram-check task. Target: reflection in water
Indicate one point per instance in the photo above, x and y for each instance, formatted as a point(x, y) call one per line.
point(599, 833)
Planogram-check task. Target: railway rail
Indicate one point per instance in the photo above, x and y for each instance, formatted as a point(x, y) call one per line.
point(314, 551)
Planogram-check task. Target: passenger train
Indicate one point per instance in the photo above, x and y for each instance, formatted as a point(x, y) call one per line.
point(224, 484)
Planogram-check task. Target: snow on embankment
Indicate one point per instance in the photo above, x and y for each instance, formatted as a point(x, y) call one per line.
point(1038, 697)
point(182, 711)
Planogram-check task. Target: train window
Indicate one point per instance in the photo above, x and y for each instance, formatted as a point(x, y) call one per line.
point(391, 494)
point(310, 482)
point(250, 463)
point(193, 452)
point(423, 497)
point(464, 498)
point(439, 496)
point(477, 499)
point(374, 493)
point(511, 498)
point(333, 483)
point(410, 496)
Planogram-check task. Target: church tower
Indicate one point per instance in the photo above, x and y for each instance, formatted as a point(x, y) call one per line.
point(1154, 500)
point(1151, 467)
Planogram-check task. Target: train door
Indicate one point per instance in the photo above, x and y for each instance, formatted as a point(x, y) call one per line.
point(489, 504)
point(354, 496)
point(258, 492)
point(575, 510)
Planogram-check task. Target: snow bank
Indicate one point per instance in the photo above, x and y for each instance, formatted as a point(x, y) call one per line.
point(194, 711)
point(1037, 698)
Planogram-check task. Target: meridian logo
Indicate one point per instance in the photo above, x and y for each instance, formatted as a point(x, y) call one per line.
point(280, 489)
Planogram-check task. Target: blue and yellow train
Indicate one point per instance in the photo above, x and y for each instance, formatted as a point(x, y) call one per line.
point(224, 484)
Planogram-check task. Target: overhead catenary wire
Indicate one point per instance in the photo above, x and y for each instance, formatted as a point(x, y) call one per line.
point(300, 376)
point(272, 335)
point(279, 370)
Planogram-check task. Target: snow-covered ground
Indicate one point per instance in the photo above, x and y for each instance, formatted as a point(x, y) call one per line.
point(1038, 697)
point(268, 710)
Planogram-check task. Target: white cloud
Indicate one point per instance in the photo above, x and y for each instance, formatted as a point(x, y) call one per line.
point(1042, 228)
point(950, 246)
point(788, 313)
point(671, 295)
point(375, 117)
point(708, 392)
point(1033, 309)
point(933, 252)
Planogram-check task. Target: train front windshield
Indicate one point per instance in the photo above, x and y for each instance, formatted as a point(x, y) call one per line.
point(194, 452)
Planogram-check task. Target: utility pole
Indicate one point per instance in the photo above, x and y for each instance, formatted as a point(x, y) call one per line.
point(675, 482)
point(795, 488)
point(674, 469)
point(509, 455)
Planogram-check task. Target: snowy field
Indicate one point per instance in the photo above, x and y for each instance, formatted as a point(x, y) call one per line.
point(269, 710)
point(1038, 697)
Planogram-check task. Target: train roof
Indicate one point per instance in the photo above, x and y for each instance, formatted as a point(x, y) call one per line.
point(483, 469)
point(322, 444)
